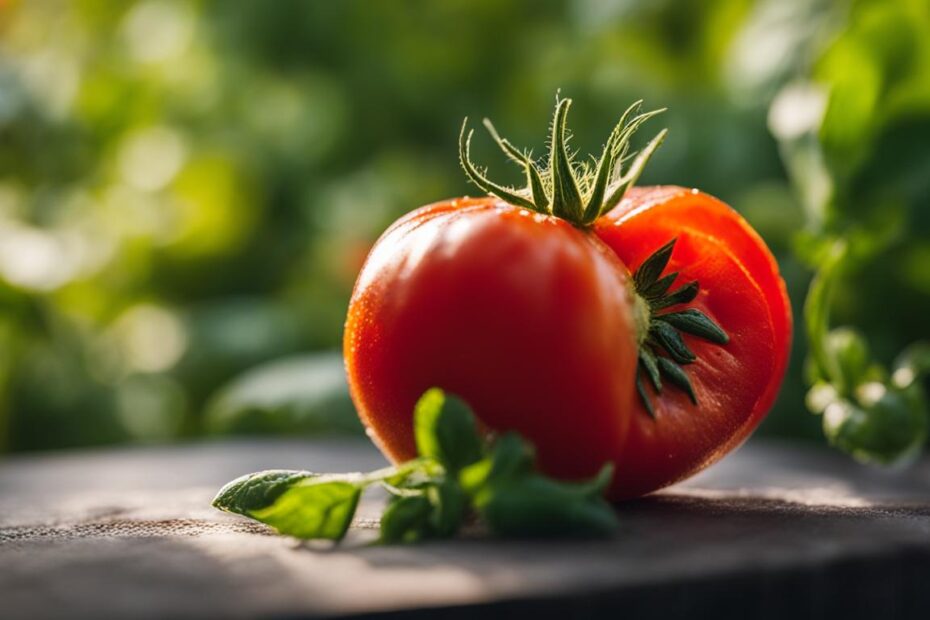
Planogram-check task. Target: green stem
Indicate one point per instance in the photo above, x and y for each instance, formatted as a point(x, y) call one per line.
point(817, 316)
point(395, 472)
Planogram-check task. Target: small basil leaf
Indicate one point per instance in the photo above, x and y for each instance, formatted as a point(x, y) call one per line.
point(258, 490)
point(475, 476)
point(406, 519)
point(535, 506)
point(444, 429)
point(448, 501)
point(321, 507)
point(510, 456)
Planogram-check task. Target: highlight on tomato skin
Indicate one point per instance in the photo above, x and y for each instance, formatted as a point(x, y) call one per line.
point(646, 327)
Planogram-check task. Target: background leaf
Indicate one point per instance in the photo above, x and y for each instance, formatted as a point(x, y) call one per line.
point(306, 394)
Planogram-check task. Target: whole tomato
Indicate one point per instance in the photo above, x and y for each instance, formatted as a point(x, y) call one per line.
point(647, 327)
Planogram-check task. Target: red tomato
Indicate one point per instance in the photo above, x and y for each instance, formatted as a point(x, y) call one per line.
point(526, 309)
point(524, 316)
point(741, 290)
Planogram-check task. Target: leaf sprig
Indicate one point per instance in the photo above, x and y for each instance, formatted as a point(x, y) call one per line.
point(458, 474)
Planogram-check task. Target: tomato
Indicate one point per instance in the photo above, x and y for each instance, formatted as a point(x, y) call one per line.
point(741, 290)
point(524, 316)
point(644, 327)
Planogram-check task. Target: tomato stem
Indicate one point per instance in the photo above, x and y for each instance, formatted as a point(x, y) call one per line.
point(573, 190)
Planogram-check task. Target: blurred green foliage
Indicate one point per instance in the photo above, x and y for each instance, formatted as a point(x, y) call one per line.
point(855, 134)
point(188, 188)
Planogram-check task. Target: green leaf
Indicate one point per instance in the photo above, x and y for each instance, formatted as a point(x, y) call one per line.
point(516, 501)
point(851, 354)
point(444, 428)
point(298, 503)
point(534, 506)
point(258, 490)
point(449, 503)
point(437, 509)
point(510, 457)
point(886, 428)
point(305, 394)
point(850, 120)
point(405, 519)
point(318, 508)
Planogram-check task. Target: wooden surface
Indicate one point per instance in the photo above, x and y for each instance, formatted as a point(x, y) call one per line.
point(772, 531)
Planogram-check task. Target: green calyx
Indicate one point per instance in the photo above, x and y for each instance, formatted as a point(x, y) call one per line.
point(574, 190)
point(663, 353)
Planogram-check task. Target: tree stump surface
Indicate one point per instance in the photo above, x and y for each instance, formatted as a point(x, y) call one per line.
point(775, 530)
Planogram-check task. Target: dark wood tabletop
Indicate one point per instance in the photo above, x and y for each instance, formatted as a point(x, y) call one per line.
point(774, 531)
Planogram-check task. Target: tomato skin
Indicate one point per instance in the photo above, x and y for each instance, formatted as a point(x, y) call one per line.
point(742, 291)
point(524, 316)
point(529, 319)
